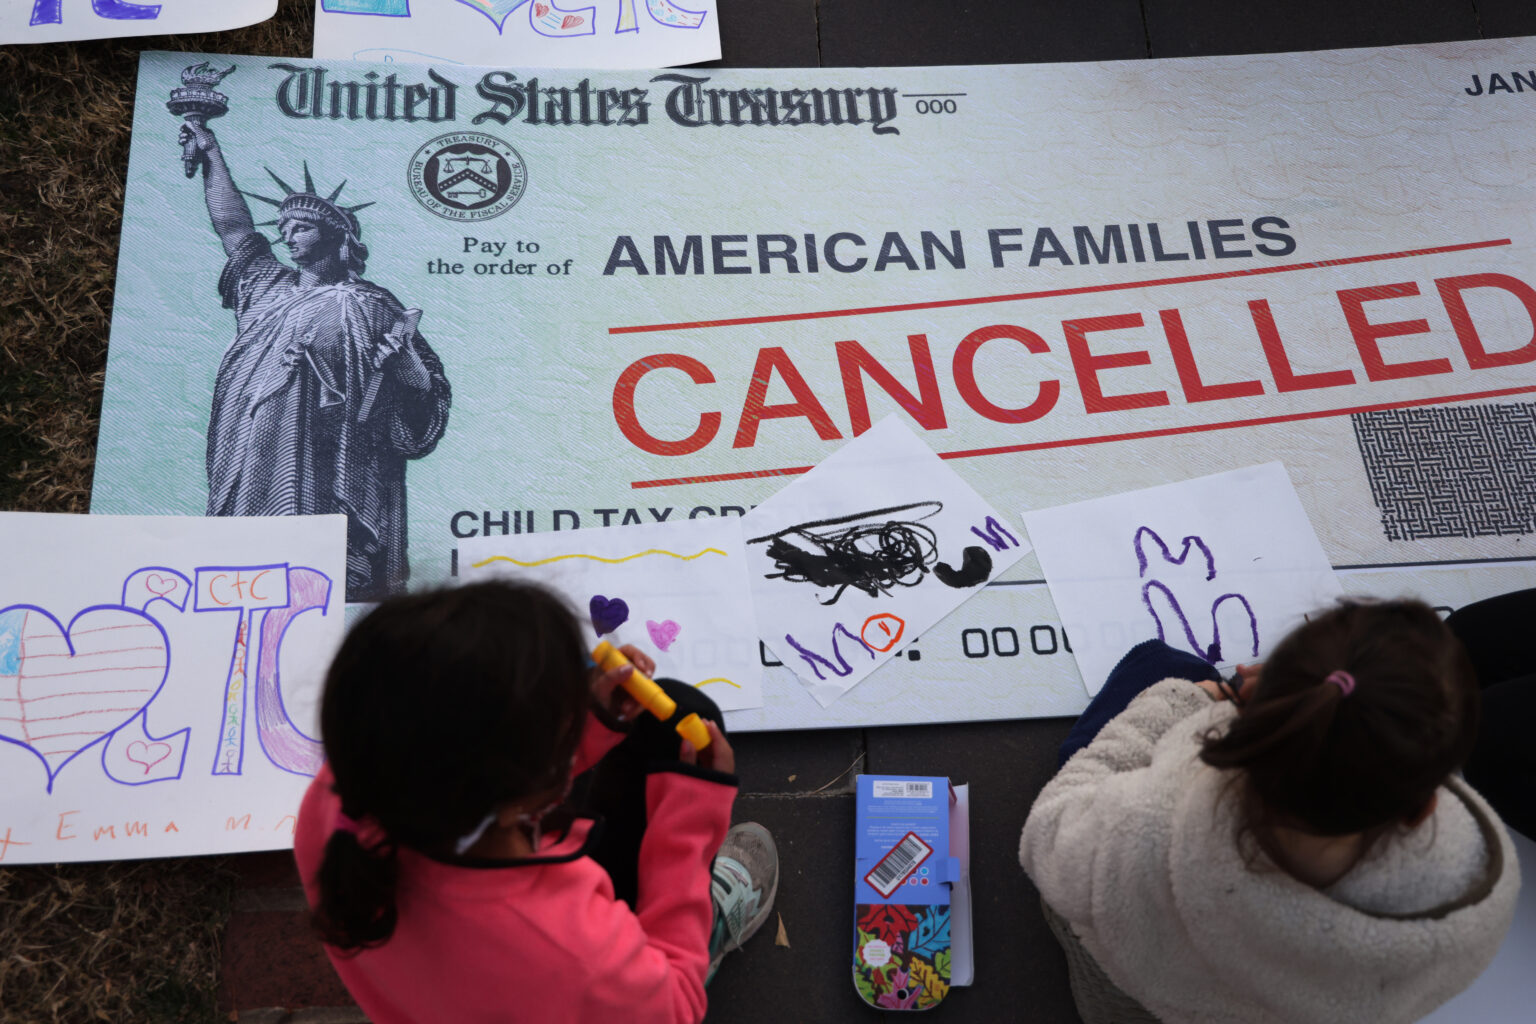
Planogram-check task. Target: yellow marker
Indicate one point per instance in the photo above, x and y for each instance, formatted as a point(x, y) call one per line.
point(692, 729)
point(640, 686)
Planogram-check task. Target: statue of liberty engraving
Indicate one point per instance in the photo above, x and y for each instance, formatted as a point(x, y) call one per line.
point(328, 388)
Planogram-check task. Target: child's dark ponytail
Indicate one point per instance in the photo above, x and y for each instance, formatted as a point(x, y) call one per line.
point(438, 708)
point(357, 891)
point(1359, 716)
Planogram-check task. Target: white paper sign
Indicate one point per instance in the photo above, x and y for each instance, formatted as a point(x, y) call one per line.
point(52, 21)
point(678, 591)
point(519, 33)
point(1223, 566)
point(873, 546)
point(159, 681)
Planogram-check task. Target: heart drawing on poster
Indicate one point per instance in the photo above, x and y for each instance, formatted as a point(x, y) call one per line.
point(496, 10)
point(663, 634)
point(608, 614)
point(148, 754)
point(66, 688)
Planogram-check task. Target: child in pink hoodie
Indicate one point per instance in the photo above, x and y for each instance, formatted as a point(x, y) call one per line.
point(448, 878)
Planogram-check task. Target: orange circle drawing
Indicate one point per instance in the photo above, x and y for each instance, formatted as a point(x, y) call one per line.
point(882, 631)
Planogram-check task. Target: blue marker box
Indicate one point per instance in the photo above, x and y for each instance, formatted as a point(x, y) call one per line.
point(905, 880)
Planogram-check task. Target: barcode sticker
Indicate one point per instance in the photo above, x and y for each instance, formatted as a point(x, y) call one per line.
point(895, 867)
point(896, 789)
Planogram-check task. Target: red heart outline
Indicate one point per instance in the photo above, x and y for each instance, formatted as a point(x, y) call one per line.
point(147, 748)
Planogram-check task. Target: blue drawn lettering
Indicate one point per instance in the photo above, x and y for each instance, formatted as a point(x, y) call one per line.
point(284, 743)
point(377, 8)
point(544, 16)
point(670, 15)
point(51, 12)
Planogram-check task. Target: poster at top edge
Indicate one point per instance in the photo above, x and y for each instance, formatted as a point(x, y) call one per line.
point(55, 21)
point(453, 302)
point(519, 33)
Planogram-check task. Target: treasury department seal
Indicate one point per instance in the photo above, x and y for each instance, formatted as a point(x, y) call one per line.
point(467, 176)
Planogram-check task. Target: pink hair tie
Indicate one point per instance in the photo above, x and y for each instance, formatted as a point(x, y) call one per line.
point(368, 831)
point(1344, 681)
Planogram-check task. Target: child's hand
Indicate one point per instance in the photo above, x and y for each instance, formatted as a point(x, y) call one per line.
point(1245, 679)
point(607, 690)
point(638, 658)
point(718, 755)
point(1249, 676)
point(1211, 689)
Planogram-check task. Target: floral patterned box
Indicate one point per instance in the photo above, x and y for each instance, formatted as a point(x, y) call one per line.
point(911, 897)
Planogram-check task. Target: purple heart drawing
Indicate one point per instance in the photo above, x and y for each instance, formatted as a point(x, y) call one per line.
point(75, 685)
point(608, 614)
point(663, 634)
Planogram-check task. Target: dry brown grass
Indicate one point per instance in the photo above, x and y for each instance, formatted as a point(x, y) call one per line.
point(115, 942)
point(65, 113)
point(128, 941)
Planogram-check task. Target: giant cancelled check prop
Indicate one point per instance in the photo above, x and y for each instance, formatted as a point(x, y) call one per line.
point(452, 302)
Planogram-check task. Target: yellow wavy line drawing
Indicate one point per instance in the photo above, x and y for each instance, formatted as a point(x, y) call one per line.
point(720, 679)
point(598, 558)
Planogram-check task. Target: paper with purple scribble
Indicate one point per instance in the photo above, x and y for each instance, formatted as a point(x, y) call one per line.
point(1222, 566)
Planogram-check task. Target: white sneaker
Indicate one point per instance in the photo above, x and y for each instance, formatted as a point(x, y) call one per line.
point(743, 883)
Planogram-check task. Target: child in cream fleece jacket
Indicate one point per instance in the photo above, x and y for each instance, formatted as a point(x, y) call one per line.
point(1306, 856)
